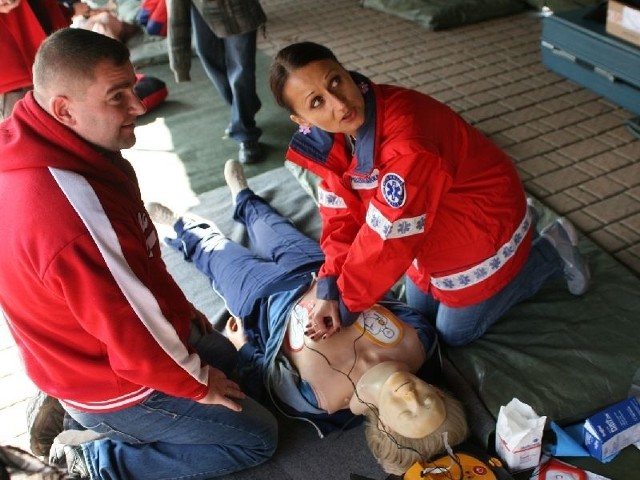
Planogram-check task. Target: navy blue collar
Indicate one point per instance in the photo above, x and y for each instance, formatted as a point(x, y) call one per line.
point(366, 135)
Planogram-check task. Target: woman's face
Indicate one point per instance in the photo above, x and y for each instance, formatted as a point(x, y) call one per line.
point(323, 94)
point(410, 406)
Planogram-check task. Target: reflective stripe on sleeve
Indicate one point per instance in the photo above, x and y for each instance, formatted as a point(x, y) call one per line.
point(491, 265)
point(403, 227)
point(330, 199)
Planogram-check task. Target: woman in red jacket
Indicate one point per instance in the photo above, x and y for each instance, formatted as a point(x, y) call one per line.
point(407, 186)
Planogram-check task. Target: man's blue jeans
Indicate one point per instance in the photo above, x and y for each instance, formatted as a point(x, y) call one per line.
point(230, 64)
point(166, 437)
point(176, 438)
point(459, 326)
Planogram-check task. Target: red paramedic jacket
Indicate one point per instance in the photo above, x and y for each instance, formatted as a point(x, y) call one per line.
point(422, 192)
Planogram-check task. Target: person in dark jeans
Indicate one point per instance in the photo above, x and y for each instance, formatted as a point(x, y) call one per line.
point(225, 35)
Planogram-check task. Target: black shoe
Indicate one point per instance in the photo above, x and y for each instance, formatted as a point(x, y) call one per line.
point(26, 465)
point(250, 152)
point(45, 418)
point(71, 457)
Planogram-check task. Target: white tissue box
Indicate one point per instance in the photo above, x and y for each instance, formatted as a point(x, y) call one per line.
point(519, 435)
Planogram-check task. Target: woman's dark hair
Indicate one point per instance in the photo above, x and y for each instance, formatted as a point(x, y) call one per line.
point(291, 58)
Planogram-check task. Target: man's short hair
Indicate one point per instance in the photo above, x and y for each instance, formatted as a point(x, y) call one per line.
point(72, 54)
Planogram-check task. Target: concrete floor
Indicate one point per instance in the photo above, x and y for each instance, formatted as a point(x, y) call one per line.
point(571, 146)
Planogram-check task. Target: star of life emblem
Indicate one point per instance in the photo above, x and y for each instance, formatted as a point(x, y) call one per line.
point(393, 191)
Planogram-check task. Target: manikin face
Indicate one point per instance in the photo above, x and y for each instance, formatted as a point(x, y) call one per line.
point(323, 94)
point(410, 406)
point(105, 114)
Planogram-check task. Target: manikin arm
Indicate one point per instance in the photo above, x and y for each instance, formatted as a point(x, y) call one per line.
point(251, 359)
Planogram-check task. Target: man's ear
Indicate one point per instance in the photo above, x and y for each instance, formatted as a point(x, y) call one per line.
point(59, 108)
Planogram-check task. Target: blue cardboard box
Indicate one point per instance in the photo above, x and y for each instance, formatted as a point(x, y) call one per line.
point(612, 429)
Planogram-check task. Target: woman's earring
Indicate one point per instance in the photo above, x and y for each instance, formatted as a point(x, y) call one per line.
point(304, 129)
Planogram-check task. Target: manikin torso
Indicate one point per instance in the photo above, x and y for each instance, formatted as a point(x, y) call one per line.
point(377, 336)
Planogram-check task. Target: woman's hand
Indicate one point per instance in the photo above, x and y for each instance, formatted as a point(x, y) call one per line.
point(324, 319)
point(222, 391)
point(234, 331)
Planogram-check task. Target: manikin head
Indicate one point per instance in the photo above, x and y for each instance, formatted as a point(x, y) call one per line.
point(307, 79)
point(85, 81)
point(403, 410)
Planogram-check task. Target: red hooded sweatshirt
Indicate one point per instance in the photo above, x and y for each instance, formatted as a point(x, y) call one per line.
point(99, 321)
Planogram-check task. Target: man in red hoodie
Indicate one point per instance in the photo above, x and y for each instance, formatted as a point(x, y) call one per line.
point(99, 321)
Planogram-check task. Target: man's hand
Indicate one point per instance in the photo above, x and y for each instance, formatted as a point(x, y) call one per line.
point(234, 331)
point(324, 320)
point(202, 322)
point(222, 391)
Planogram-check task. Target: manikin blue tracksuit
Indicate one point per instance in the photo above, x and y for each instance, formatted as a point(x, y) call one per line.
point(262, 286)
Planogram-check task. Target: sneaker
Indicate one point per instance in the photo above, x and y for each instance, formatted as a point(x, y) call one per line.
point(250, 152)
point(234, 176)
point(45, 420)
point(536, 209)
point(71, 458)
point(564, 238)
point(227, 132)
point(161, 214)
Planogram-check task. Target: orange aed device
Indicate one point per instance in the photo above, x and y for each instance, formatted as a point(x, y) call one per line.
point(471, 464)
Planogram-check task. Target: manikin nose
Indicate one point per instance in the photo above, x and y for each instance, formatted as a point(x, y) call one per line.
point(410, 397)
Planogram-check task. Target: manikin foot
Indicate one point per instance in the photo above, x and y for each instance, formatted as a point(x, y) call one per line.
point(161, 214)
point(234, 176)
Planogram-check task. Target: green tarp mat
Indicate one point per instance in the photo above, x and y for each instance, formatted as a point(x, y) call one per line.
point(442, 14)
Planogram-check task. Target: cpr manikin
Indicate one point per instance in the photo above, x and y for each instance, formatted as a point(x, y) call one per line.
point(269, 288)
point(368, 367)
